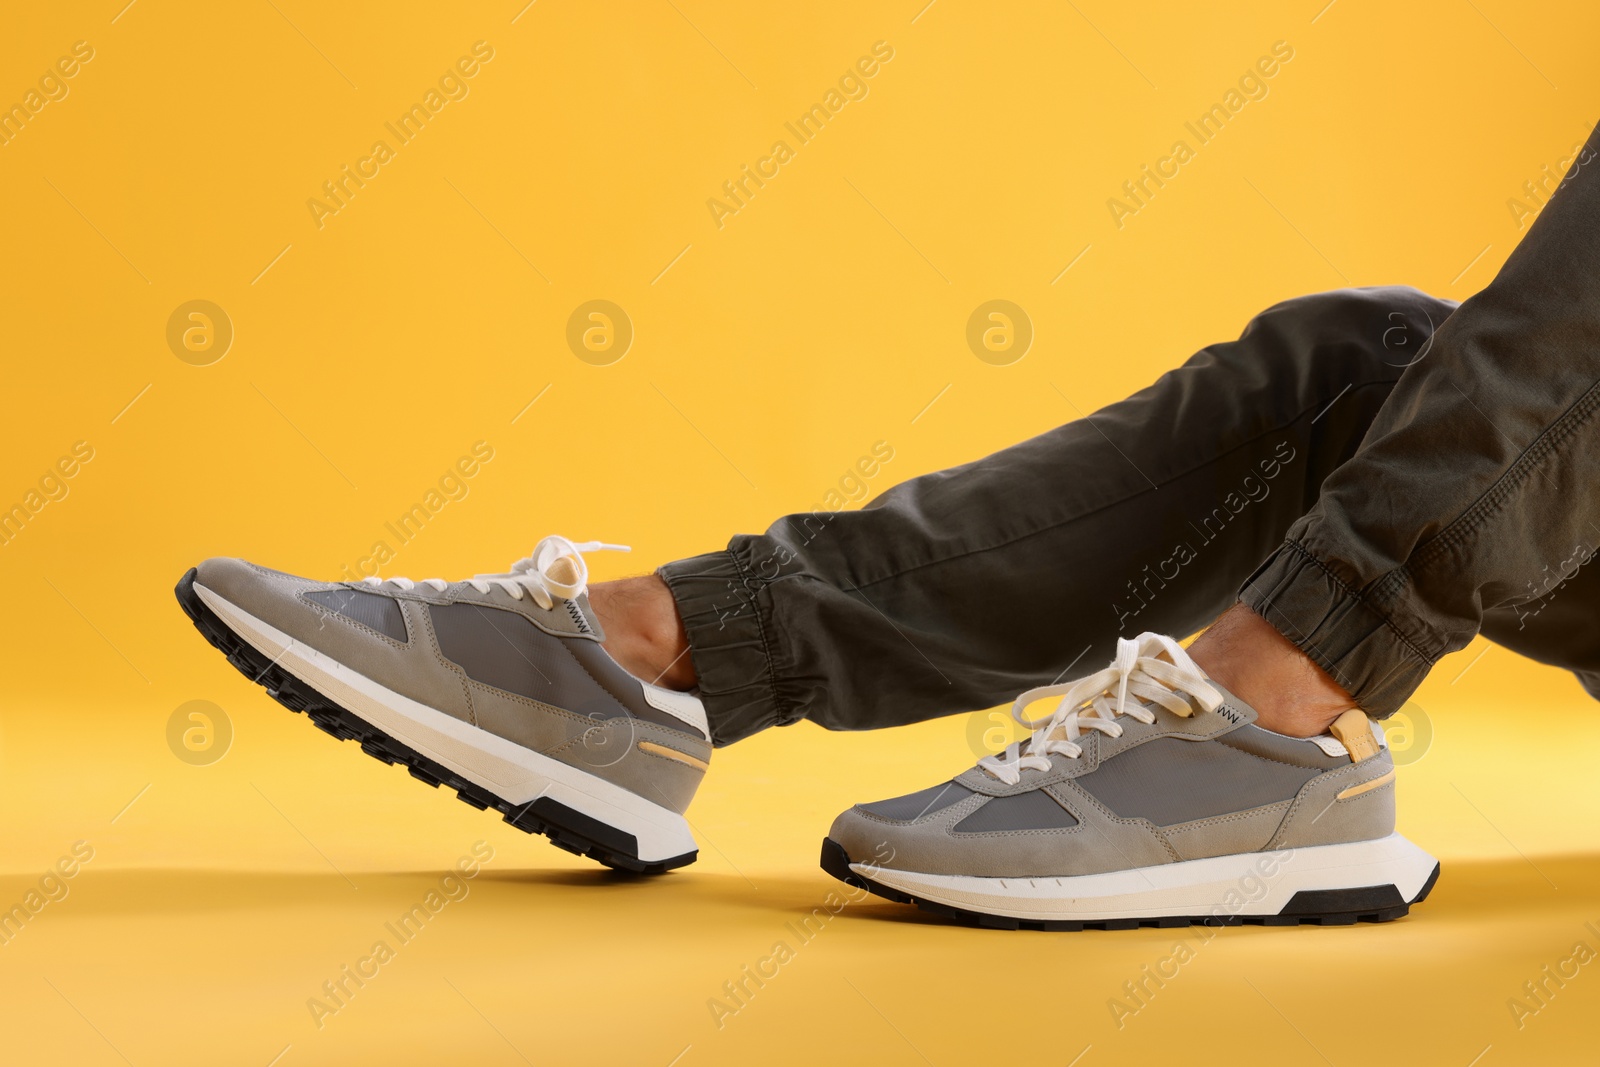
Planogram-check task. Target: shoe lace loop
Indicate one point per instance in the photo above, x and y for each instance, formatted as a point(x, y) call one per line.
point(1151, 668)
point(555, 568)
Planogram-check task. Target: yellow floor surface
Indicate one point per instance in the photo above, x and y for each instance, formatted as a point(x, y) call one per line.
point(219, 899)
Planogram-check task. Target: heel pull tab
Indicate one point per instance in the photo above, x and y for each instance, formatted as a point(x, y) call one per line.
point(1354, 731)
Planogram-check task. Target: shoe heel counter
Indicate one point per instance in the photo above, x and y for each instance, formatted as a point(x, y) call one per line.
point(1351, 803)
point(663, 765)
point(672, 773)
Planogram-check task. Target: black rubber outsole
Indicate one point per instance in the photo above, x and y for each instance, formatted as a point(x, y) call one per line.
point(1322, 907)
point(566, 828)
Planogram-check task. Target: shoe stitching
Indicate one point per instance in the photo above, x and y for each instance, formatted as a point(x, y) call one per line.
point(973, 803)
point(324, 612)
point(453, 669)
point(1334, 778)
point(1080, 794)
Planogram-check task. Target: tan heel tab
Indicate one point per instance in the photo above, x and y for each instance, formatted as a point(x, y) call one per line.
point(1354, 731)
point(564, 570)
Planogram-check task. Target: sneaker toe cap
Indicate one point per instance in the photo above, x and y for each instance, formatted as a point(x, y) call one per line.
point(270, 596)
point(239, 579)
point(878, 831)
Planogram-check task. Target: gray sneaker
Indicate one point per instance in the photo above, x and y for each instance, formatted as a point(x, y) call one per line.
point(496, 686)
point(1148, 798)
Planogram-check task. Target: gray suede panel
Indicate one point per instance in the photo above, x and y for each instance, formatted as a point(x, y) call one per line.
point(258, 590)
point(1100, 842)
point(1118, 842)
point(1024, 811)
point(1227, 835)
point(531, 724)
point(914, 806)
point(610, 750)
point(413, 669)
point(605, 746)
point(373, 610)
point(1317, 817)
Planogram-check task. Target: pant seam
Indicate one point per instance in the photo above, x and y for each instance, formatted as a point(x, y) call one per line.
point(1168, 481)
point(1354, 594)
point(745, 578)
point(1495, 497)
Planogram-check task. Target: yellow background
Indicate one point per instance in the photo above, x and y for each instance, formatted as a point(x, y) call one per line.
point(769, 355)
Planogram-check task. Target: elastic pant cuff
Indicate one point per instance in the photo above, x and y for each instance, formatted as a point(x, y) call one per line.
point(727, 617)
point(1347, 637)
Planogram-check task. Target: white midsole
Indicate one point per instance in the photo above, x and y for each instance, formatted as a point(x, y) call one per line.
point(515, 774)
point(1252, 883)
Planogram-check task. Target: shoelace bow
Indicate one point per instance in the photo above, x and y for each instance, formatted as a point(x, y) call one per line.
point(555, 568)
point(1150, 667)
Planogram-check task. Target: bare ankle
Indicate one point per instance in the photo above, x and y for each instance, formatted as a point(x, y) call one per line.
point(1290, 693)
point(643, 630)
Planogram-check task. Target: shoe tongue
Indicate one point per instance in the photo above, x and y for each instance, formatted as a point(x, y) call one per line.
point(589, 616)
point(1232, 707)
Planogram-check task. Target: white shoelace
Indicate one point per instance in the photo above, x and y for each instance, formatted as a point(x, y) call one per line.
point(1150, 667)
point(555, 568)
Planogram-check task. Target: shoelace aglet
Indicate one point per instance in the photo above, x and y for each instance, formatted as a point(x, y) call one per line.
point(600, 546)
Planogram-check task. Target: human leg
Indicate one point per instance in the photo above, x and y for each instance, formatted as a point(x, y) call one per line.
point(1473, 495)
point(957, 589)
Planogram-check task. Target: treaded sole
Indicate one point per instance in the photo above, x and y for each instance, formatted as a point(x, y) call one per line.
point(1323, 907)
point(566, 827)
